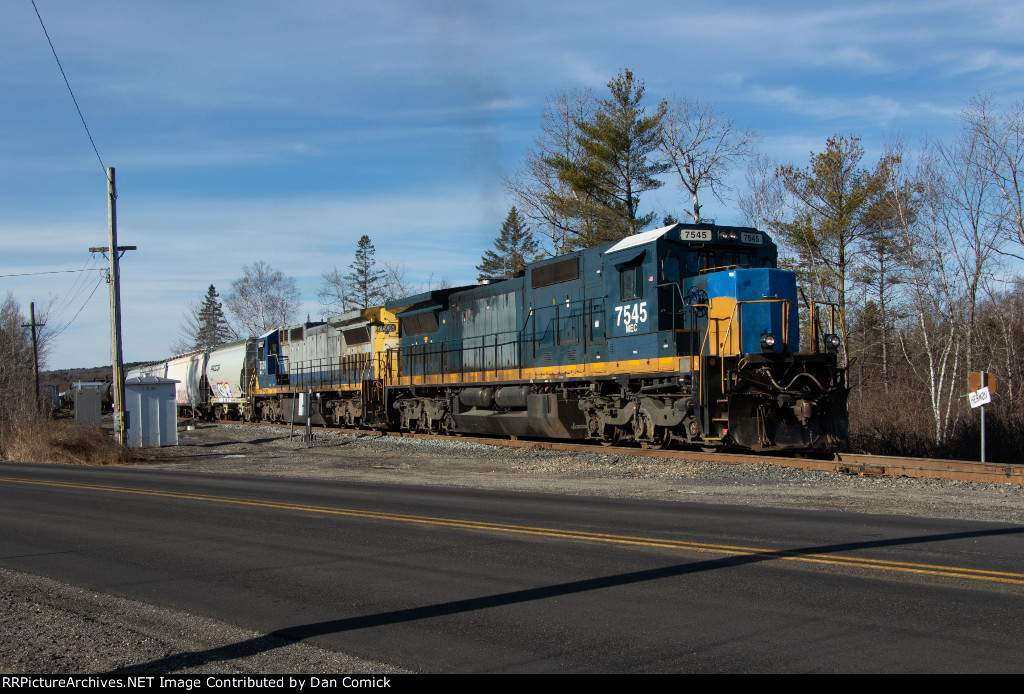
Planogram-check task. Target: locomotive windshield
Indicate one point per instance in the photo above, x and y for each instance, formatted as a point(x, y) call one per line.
point(689, 262)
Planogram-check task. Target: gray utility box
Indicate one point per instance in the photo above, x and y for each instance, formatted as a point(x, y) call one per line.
point(151, 411)
point(88, 399)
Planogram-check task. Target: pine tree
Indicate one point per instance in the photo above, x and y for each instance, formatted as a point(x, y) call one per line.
point(213, 326)
point(514, 248)
point(365, 282)
point(836, 213)
point(616, 168)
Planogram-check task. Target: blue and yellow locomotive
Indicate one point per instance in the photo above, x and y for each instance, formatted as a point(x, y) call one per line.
point(685, 334)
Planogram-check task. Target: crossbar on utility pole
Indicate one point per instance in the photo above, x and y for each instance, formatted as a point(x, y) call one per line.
point(114, 251)
point(35, 349)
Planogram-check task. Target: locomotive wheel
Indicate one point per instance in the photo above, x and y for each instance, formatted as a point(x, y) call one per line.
point(615, 439)
point(662, 438)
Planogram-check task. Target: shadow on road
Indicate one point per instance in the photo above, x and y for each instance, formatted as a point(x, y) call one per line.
point(284, 637)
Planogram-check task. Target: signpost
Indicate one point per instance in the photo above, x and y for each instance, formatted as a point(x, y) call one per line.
point(982, 386)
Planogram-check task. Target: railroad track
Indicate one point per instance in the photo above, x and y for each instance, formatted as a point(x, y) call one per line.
point(859, 464)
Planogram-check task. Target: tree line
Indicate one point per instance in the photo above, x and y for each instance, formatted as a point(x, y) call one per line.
point(915, 249)
point(264, 298)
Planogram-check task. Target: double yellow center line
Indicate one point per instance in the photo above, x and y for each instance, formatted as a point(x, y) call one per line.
point(728, 550)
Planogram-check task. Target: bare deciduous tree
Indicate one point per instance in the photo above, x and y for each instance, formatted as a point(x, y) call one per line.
point(262, 299)
point(763, 202)
point(999, 141)
point(395, 283)
point(536, 187)
point(17, 396)
point(333, 292)
point(701, 143)
point(933, 349)
point(968, 198)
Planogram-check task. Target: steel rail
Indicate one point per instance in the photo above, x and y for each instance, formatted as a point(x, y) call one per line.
point(854, 464)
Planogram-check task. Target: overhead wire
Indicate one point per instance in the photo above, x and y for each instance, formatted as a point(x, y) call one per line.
point(47, 272)
point(70, 91)
point(79, 286)
point(65, 326)
point(76, 286)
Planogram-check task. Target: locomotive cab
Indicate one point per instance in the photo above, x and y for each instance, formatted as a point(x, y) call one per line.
point(711, 297)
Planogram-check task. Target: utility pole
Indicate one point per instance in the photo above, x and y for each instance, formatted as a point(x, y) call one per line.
point(35, 349)
point(113, 252)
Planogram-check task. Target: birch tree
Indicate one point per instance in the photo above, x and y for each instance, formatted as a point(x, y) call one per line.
point(933, 350)
point(262, 299)
point(999, 150)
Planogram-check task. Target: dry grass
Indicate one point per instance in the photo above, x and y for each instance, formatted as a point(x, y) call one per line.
point(42, 440)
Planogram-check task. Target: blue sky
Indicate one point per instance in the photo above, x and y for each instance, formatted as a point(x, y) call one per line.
point(283, 131)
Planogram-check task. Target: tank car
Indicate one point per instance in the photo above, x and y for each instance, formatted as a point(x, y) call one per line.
point(686, 334)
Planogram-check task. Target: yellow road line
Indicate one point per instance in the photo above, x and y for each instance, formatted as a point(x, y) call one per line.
point(729, 550)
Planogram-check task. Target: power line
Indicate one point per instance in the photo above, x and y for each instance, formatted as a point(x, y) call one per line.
point(70, 91)
point(77, 286)
point(64, 327)
point(53, 272)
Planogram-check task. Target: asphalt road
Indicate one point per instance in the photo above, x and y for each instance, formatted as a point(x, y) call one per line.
point(458, 580)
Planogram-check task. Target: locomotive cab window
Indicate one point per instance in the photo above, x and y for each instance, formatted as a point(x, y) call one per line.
point(735, 259)
point(669, 269)
point(631, 283)
point(698, 261)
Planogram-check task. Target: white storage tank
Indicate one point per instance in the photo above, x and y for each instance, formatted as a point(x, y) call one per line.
point(152, 412)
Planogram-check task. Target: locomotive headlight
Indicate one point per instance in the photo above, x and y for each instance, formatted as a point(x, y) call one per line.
point(832, 343)
point(767, 342)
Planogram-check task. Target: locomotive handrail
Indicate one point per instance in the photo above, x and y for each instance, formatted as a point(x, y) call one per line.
point(734, 319)
point(835, 315)
point(556, 336)
point(737, 319)
point(332, 371)
point(452, 354)
point(724, 267)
